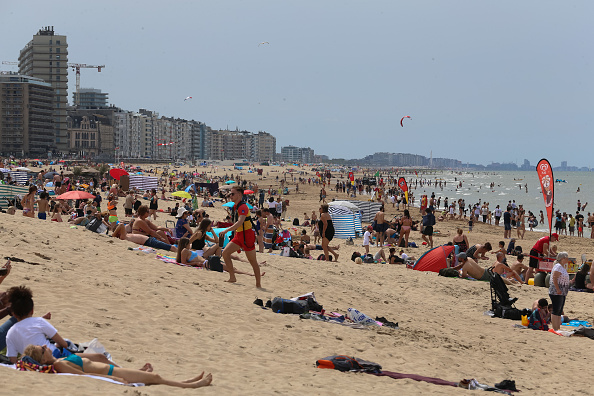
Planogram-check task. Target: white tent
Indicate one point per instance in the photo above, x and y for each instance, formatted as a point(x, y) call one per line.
point(347, 222)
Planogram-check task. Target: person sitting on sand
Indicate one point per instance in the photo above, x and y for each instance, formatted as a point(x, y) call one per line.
point(200, 236)
point(306, 239)
point(57, 213)
point(144, 240)
point(393, 258)
point(519, 268)
point(540, 315)
point(75, 364)
point(478, 251)
point(143, 226)
point(509, 277)
point(469, 268)
point(461, 240)
point(34, 330)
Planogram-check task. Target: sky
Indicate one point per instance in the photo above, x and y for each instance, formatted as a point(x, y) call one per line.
point(483, 81)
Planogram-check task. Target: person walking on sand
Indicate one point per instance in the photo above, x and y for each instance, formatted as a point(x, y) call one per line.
point(244, 238)
point(327, 232)
point(380, 226)
point(428, 223)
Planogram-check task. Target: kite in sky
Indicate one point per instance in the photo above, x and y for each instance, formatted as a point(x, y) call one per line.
point(263, 42)
point(402, 119)
point(188, 97)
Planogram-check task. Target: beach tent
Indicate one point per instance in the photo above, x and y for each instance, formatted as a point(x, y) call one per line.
point(143, 183)
point(8, 191)
point(435, 259)
point(367, 209)
point(346, 221)
point(20, 177)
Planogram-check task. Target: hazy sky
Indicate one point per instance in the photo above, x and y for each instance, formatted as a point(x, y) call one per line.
point(484, 81)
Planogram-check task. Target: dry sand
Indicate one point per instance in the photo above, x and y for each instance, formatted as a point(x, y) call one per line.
point(186, 320)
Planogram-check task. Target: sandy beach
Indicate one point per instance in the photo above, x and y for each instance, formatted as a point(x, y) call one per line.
point(187, 320)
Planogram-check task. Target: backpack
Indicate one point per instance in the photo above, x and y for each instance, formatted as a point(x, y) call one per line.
point(368, 259)
point(214, 264)
point(449, 272)
point(295, 221)
point(284, 306)
point(346, 363)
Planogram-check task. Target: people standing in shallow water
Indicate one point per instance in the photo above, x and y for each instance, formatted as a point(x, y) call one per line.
point(326, 232)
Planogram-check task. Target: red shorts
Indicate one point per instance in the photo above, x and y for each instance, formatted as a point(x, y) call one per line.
point(246, 240)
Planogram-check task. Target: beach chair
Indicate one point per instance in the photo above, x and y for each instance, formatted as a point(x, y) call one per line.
point(500, 298)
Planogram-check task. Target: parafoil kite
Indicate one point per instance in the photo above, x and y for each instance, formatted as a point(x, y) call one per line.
point(188, 97)
point(263, 42)
point(402, 119)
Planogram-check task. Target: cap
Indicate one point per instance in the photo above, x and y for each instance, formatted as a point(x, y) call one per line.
point(461, 256)
point(554, 234)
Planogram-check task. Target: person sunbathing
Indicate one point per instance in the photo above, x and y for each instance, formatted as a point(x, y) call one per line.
point(144, 240)
point(519, 267)
point(200, 236)
point(509, 277)
point(143, 226)
point(469, 268)
point(35, 330)
point(190, 257)
point(75, 364)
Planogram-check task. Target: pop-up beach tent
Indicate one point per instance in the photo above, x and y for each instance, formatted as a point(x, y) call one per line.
point(434, 259)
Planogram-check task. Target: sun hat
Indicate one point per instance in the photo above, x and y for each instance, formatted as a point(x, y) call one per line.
point(181, 212)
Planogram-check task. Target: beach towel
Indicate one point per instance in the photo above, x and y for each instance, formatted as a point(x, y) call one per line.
point(347, 363)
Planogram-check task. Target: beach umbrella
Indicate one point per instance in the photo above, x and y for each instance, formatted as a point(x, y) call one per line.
point(248, 192)
point(50, 175)
point(182, 194)
point(230, 182)
point(22, 168)
point(232, 204)
point(116, 173)
point(76, 195)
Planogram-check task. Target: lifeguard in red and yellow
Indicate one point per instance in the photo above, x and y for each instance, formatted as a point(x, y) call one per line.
point(244, 238)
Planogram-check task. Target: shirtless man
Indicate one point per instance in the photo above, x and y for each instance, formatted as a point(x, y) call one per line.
point(144, 226)
point(380, 226)
point(29, 202)
point(42, 205)
point(591, 223)
point(478, 251)
point(509, 277)
point(469, 268)
point(121, 233)
point(519, 267)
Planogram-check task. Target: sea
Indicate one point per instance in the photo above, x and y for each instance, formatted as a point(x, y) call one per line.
point(511, 186)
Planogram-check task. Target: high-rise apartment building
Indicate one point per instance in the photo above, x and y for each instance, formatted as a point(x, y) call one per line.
point(26, 121)
point(89, 98)
point(46, 57)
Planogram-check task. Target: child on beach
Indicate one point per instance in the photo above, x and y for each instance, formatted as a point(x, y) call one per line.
point(470, 222)
point(367, 239)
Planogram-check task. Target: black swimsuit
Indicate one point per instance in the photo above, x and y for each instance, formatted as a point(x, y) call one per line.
point(198, 244)
point(329, 230)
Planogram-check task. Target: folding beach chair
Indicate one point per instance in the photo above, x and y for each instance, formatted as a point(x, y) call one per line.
point(500, 299)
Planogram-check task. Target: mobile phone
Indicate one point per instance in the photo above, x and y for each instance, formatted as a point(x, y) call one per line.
point(3, 271)
point(221, 241)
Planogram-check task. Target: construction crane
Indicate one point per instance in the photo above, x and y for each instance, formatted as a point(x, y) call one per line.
point(75, 67)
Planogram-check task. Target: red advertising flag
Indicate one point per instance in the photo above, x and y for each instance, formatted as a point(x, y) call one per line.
point(545, 176)
point(352, 178)
point(404, 187)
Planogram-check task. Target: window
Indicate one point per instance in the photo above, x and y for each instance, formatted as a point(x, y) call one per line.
point(58, 50)
point(57, 42)
point(57, 64)
point(50, 56)
point(57, 78)
point(50, 42)
point(57, 56)
point(51, 49)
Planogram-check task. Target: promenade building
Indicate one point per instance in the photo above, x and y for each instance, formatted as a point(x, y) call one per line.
point(90, 98)
point(26, 121)
point(46, 57)
point(293, 154)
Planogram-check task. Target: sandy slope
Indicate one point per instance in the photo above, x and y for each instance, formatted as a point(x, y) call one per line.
point(186, 320)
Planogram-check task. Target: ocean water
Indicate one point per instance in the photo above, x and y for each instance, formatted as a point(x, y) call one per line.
point(475, 187)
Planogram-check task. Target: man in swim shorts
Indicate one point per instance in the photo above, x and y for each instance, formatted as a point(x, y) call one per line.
point(469, 268)
point(245, 236)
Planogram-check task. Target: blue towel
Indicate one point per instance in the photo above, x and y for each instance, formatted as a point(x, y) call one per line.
point(577, 323)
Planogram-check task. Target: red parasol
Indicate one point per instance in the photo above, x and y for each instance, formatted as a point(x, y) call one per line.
point(248, 192)
point(75, 195)
point(116, 173)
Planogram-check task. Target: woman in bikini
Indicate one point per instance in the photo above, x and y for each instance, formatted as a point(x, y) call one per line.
point(199, 238)
point(405, 227)
point(461, 240)
point(75, 364)
point(189, 257)
point(144, 227)
point(28, 202)
point(56, 213)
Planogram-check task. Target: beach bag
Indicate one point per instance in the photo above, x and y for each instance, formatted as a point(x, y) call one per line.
point(94, 224)
point(214, 264)
point(285, 306)
point(295, 221)
point(346, 363)
point(368, 259)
